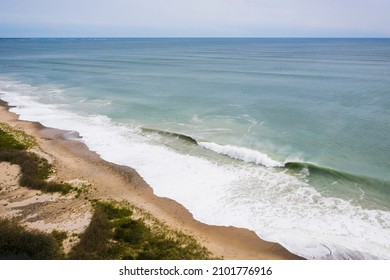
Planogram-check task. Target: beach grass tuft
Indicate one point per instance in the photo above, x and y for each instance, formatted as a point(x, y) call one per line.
point(121, 231)
point(15, 138)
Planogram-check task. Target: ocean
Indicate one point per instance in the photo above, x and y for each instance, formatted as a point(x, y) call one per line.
point(286, 137)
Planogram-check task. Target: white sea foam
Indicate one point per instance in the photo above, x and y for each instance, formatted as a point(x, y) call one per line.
point(195, 118)
point(241, 153)
point(277, 206)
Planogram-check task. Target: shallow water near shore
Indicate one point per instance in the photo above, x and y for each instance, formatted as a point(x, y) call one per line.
point(286, 137)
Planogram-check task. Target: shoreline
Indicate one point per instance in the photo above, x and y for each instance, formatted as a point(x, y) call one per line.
point(73, 160)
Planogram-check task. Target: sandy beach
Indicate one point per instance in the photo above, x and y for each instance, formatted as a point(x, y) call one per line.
point(75, 163)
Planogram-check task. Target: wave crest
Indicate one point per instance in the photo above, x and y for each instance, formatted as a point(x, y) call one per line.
point(241, 153)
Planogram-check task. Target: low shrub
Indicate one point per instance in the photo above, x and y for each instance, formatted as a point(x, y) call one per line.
point(95, 241)
point(18, 243)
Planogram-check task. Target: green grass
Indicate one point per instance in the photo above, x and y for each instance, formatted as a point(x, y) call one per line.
point(115, 233)
point(18, 243)
point(82, 190)
point(95, 241)
point(35, 170)
point(14, 138)
point(7, 141)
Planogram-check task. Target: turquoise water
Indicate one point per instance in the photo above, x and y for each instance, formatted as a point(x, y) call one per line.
point(287, 137)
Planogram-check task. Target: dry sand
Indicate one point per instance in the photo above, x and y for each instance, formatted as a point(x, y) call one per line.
point(74, 162)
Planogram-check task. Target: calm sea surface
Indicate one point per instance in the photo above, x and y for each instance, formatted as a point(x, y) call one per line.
point(287, 137)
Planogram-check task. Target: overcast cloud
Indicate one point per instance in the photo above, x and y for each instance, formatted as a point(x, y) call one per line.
point(172, 18)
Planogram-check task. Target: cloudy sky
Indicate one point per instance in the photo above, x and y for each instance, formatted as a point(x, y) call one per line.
point(194, 18)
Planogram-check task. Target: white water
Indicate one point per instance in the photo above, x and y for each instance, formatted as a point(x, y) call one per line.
point(277, 206)
point(241, 153)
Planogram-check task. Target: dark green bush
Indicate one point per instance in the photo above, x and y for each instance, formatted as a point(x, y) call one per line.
point(133, 232)
point(59, 235)
point(112, 211)
point(95, 241)
point(19, 243)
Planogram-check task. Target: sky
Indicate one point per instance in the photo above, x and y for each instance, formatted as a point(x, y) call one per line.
point(194, 18)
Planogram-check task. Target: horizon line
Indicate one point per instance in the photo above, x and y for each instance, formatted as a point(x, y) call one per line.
point(195, 37)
